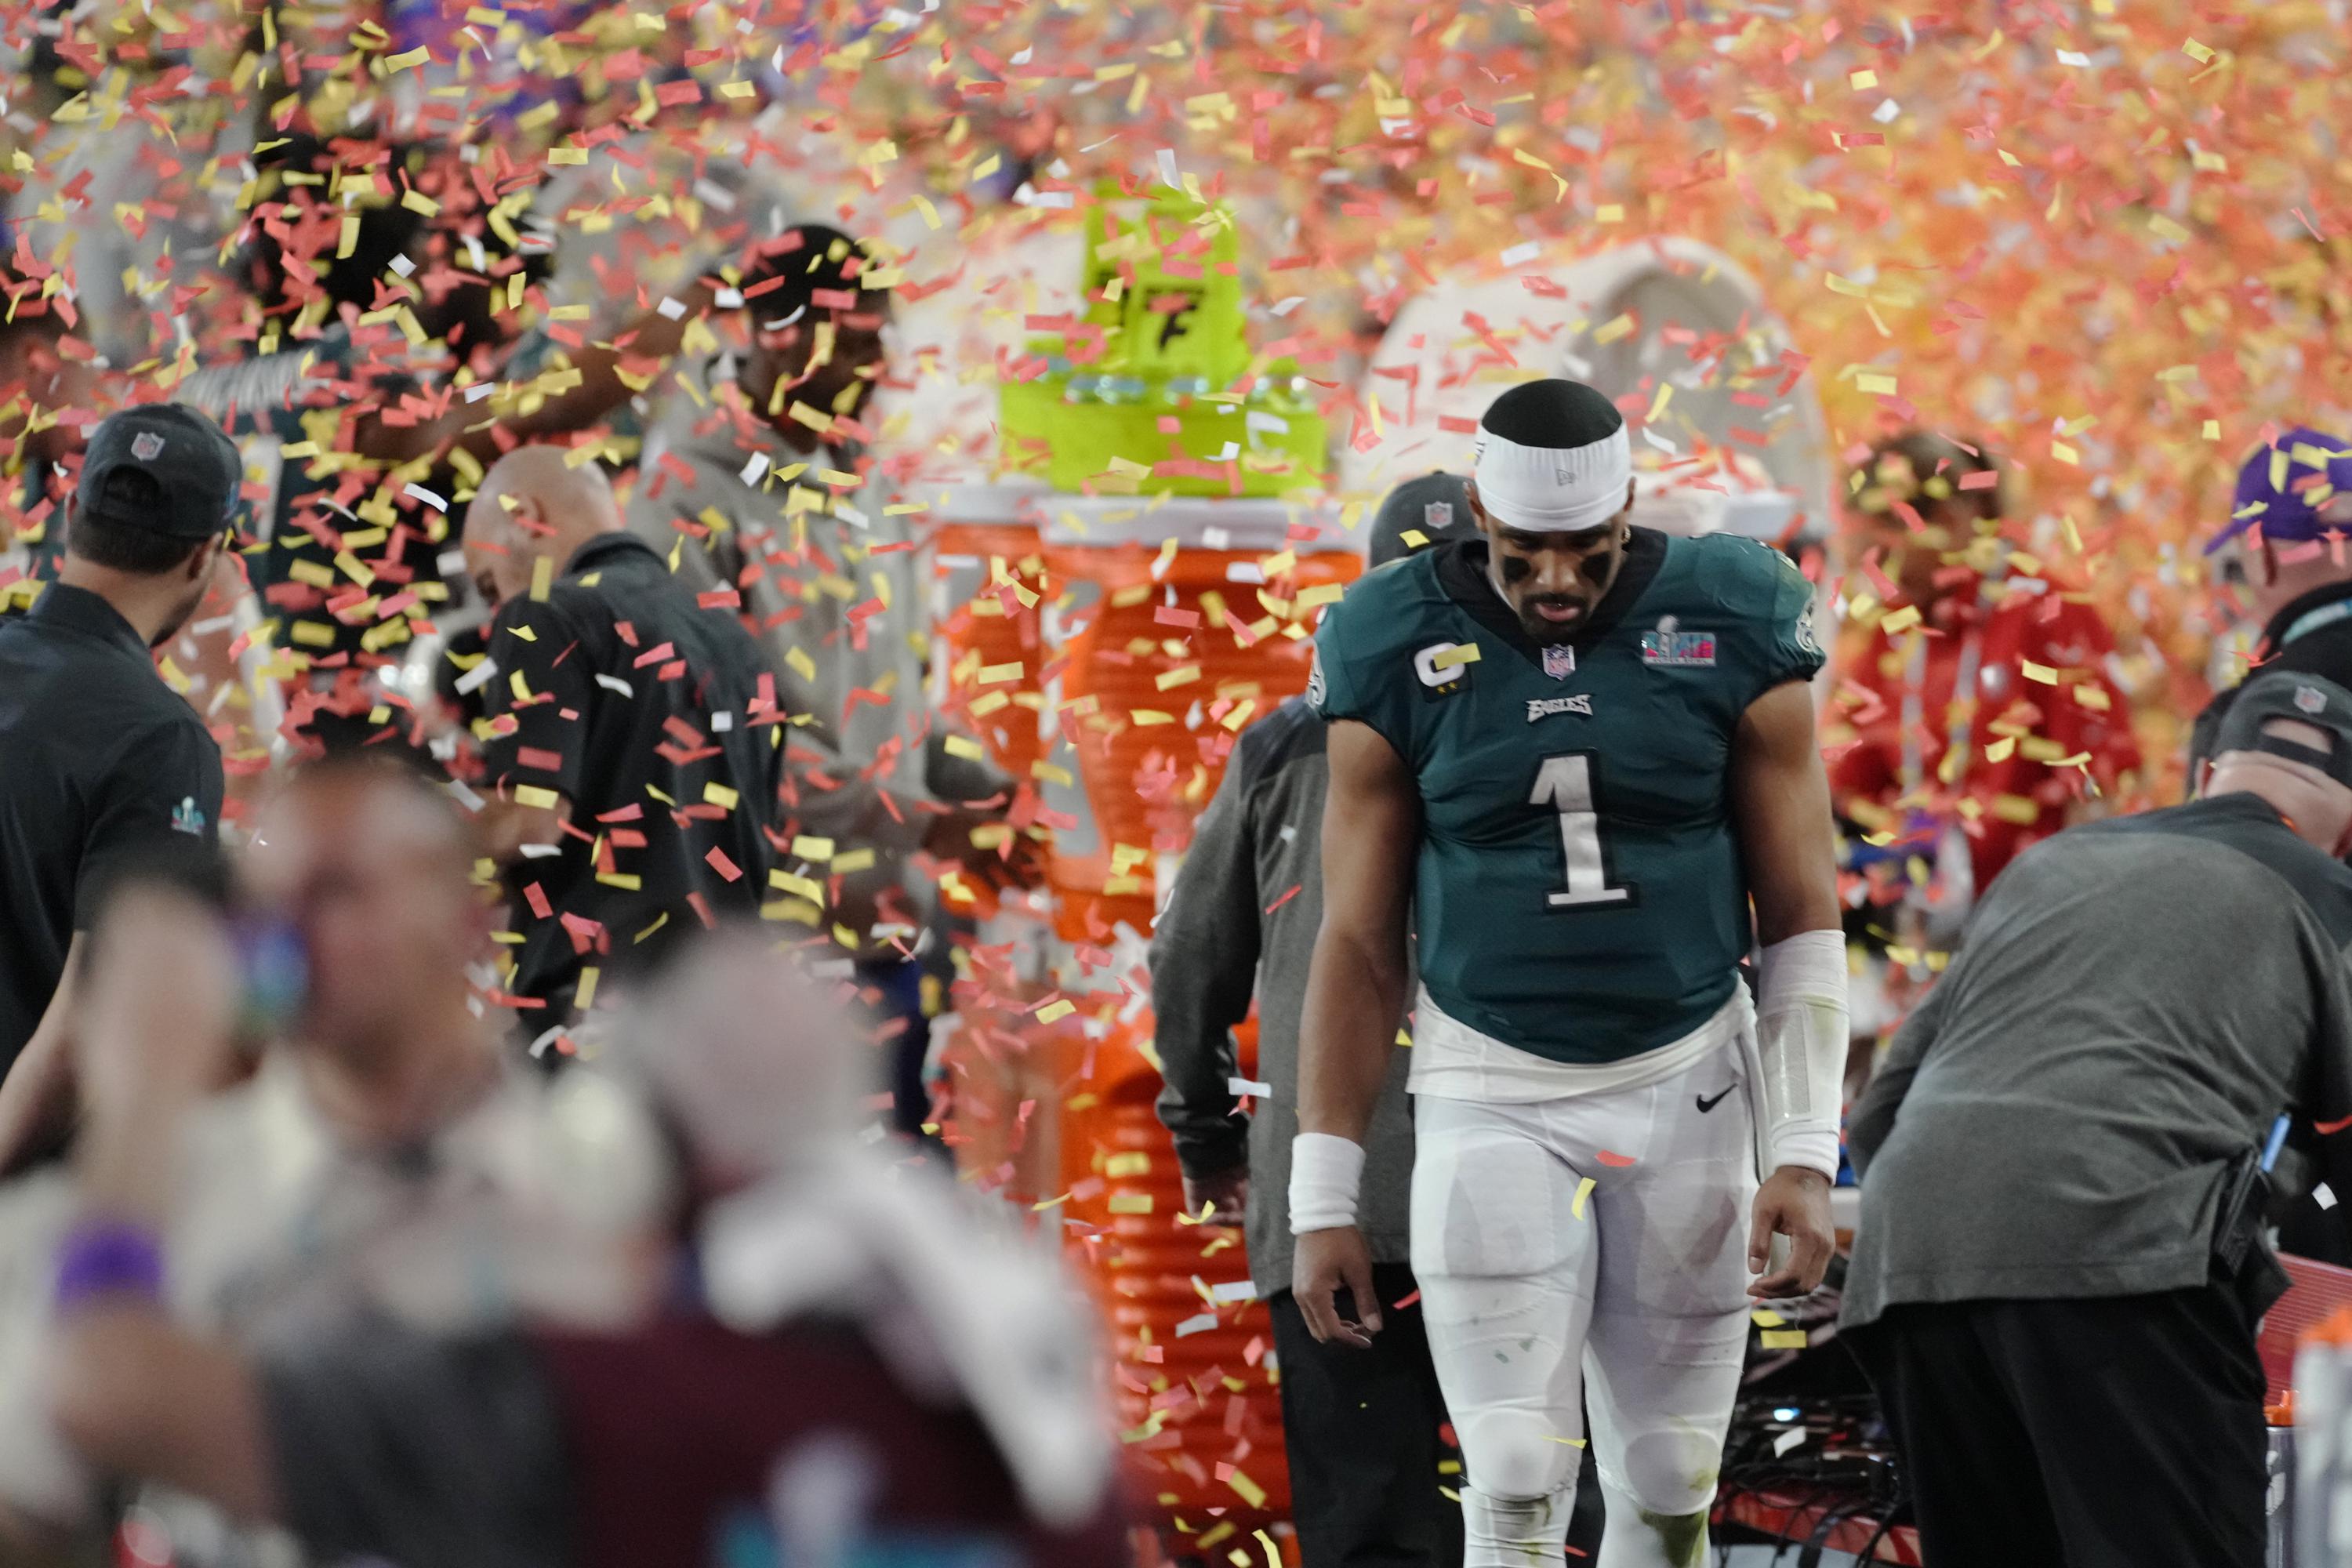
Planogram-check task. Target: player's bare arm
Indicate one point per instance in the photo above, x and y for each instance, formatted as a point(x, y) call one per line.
point(1780, 802)
point(1355, 995)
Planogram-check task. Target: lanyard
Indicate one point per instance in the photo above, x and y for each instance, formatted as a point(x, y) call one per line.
point(1961, 713)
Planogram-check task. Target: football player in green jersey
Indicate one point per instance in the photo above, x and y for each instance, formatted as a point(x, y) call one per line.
point(1580, 753)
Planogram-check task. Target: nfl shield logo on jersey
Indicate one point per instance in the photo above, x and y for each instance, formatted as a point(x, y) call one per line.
point(1559, 660)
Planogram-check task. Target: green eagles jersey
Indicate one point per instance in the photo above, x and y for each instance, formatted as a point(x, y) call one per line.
point(1580, 892)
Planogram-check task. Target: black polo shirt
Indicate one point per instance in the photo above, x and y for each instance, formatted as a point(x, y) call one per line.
point(657, 718)
point(2313, 634)
point(100, 763)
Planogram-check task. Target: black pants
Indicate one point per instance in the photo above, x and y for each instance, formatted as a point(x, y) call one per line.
point(1362, 1431)
point(2117, 1432)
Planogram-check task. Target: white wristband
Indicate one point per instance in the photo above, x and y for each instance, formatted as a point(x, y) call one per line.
point(1325, 1175)
point(1801, 1037)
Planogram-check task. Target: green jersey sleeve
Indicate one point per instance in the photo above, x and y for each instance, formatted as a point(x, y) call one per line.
point(1772, 614)
point(1359, 657)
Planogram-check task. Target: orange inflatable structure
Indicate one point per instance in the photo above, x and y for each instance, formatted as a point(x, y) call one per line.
point(1150, 661)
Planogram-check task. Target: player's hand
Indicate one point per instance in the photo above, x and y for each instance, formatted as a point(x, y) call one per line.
point(1227, 1192)
point(1325, 1263)
point(1794, 1202)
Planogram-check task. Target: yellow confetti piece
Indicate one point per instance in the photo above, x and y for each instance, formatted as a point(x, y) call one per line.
point(1459, 654)
point(535, 795)
point(1129, 1202)
point(584, 996)
point(1583, 1191)
point(2041, 672)
point(719, 795)
point(1052, 1012)
point(963, 746)
point(1862, 80)
point(2196, 51)
point(542, 578)
point(1783, 1339)
point(1182, 674)
point(418, 202)
point(1251, 1492)
point(1897, 622)
point(1621, 327)
point(1874, 383)
point(808, 846)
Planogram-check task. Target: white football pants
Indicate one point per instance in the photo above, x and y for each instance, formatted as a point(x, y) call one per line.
point(1595, 1245)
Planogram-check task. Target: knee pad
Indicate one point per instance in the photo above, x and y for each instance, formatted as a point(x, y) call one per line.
point(1515, 1454)
point(1668, 1469)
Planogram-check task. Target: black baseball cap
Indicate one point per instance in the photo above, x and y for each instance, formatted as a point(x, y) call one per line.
point(194, 467)
point(1436, 506)
point(2290, 694)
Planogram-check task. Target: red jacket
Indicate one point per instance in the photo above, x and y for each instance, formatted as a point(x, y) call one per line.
point(2047, 717)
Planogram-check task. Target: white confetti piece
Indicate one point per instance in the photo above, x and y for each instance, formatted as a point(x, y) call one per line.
point(1246, 1086)
point(436, 502)
point(615, 683)
point(478, 677)
point(1200, 1322)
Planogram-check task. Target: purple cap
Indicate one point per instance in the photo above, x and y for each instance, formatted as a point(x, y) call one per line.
point(2296, 487)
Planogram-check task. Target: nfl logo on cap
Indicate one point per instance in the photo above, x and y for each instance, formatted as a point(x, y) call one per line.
point(2309, 700)
point(1559, 660)
point(146, 446)
point(1437, 516)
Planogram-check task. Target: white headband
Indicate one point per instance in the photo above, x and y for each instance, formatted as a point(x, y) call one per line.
point(1553, 490)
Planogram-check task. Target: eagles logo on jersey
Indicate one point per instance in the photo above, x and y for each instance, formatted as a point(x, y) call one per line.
point(1580, 892)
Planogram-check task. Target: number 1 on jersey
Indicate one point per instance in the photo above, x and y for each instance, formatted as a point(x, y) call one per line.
point(1565, 784)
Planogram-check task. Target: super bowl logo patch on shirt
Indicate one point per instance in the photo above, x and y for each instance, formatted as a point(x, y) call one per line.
point(1682, 649)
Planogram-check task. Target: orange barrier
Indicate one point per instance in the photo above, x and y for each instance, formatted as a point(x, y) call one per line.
point(1155, 686)
point(1153, 649)
point(1196, 1387)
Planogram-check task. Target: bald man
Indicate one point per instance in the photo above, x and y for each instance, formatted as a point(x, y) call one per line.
point(632, 741)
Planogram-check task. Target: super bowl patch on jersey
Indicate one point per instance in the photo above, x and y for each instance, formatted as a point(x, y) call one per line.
point(1669, 645)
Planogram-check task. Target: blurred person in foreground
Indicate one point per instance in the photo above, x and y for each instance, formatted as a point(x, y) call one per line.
point(864, 1372)
point(385, 1159)
point(2061, 1262)
point(1975, 713)
point(2284, 551)
point(631, 740)
point(1360, 1425)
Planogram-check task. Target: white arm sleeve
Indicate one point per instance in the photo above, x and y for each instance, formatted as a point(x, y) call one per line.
point(1326, 1173)
point(1800, 1040)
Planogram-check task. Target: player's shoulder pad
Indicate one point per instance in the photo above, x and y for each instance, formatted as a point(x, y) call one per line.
point(1748, 579)
point(1385, 611)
